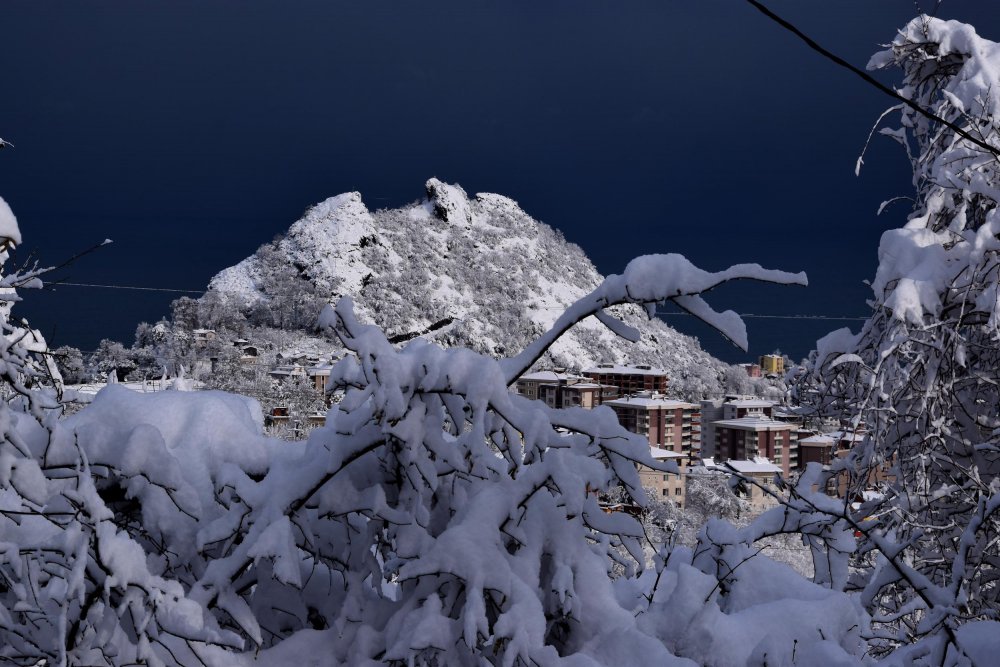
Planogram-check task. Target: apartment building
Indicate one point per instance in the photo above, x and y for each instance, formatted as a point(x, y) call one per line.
point(817, 449)
point(772, 364)
point(731, 407)
point(667, 485)
point(751, 437)
point(668, 424)
point(629, 379)
point(564, 390)
point(738, 408)
point(759, 475)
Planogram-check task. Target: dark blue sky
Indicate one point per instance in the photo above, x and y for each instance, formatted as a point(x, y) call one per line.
point(190, 132)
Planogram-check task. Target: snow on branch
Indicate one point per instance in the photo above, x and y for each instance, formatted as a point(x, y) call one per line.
point(650, 280)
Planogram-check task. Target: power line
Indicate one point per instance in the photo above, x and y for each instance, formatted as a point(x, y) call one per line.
point(660, 313)
point(761, 316)
point(812, 44)
point(782, 317)
point(131, 287)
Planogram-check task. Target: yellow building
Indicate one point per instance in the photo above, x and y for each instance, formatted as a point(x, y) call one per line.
point(772, 364)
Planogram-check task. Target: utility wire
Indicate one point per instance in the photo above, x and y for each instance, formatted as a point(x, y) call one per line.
point(660, 313)
point(132, 287)
point(781, 317)
point(761, 316)
point(870, 79)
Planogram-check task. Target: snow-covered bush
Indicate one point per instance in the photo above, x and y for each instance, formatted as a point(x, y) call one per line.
point(923, 376)
point(437, 519)
point(85, 576)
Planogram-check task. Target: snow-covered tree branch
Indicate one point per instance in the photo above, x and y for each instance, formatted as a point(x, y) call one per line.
point(921, 378)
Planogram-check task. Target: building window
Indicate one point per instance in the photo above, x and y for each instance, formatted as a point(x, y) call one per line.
point(666, 478)
point(677, 491)
point(664, 491)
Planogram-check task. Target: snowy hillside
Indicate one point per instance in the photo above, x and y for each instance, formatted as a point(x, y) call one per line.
point(471, 271)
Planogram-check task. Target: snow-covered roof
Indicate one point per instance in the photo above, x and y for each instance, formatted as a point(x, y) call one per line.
point(651, 402)
point(548, 376)
point(288, 370)
point(661, 454)
point(755, 424)
point(751, 403)
point(817, 441)
point(618, 369)
point(851, 436)
point(758, 465)
point(578, 385)
point(541, 376)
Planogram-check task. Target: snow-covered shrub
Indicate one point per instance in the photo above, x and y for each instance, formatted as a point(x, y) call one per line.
point(82, 579)
point(436, 519)
point(923, 376)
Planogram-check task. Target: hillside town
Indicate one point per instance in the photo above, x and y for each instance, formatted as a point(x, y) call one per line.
point(765, 443)
point(761, 442)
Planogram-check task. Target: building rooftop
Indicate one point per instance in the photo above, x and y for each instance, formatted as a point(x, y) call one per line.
point(817, 441)
point(751, 403)
point(758, 465)
point(664, 454)
point(651, 402)
point(850, 436)
point(543, 376)
point(755, 424)
point(641, 369)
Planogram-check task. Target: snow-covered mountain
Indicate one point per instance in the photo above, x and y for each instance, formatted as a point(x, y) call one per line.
point(472, 271)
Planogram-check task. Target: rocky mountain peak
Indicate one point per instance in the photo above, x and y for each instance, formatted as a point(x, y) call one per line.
point(497, 277)
point(450, 202)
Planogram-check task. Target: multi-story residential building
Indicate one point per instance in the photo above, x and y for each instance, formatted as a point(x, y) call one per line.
point(731, 407)
point(738, 408)
point(667, 485)
point(564, 390)
point(752, 370)
point(750, 437)
point(817, 449)
point(759, 475)
point(668, 424)
point(527, 384)
point(772, 364)
point(586, 395)
point(825, 448)
point(711, 412)
point(629, 379)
